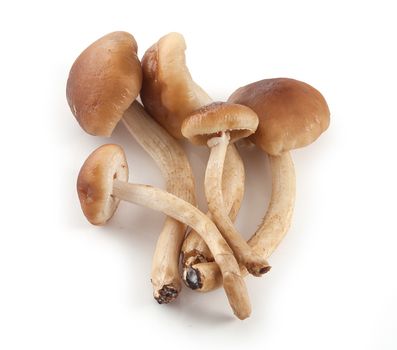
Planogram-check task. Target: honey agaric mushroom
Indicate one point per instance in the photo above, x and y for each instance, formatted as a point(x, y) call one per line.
point(292, 114)
point(217, 125)
point(102, 183)
point(169, 94)
point(103, 84)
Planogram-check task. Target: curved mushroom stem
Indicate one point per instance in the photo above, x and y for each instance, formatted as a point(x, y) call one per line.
point(182, 211)
point(277, 220)
point(255, 264)
point(174, 165)
point(270, 233)
point(194, 249)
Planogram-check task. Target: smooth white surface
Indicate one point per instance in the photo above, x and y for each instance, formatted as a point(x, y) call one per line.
point(67, 285)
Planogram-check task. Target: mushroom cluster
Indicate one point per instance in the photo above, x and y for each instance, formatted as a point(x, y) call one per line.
point(205, 251)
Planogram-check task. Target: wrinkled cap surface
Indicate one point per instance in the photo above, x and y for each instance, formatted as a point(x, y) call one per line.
point(291, 113)
point(103, 82)
point(209, 121)
point(169, 93)
point(95, 182)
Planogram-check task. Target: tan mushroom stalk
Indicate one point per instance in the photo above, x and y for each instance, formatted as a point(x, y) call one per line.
point(103, 84)
point(102, 183)
point(194, 248)
point(169, 94)
point(217, 125)
point(292, 114)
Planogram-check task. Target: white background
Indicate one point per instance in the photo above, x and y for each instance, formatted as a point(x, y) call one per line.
point(67, 285)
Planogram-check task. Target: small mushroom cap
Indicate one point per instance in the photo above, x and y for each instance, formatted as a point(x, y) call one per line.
point(103, 82)
point(169, 93)
point(95, 182)
point(291, 113)
point(208, 121)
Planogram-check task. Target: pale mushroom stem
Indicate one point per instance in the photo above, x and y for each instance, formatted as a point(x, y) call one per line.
point(270, 233)
point(194, 248)
point(255, 264)
point(174, 165)
point(182, 211)
point(277, 220)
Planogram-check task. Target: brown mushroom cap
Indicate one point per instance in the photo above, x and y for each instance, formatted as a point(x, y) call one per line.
point(103, 82)
point(291, 113)
point(208, 121)
point(169, 93)
point(95, 182)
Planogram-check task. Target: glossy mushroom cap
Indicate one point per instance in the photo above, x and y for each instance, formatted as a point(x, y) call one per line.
point(207, 122)
point(103, 82)
point(169, 93)
point(291, 113)
point(95, 182)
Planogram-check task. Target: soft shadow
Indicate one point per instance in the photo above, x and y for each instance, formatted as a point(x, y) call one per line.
point(203, 309)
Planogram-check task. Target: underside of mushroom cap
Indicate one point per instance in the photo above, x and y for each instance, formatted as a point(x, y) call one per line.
point(292, 114)
point(169, 93)
point(211, 120)
point(95, 182)
point(103, 82)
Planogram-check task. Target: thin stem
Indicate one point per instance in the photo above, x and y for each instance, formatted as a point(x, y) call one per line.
point(277, 220)
point(174, 165)
point(194, 248)
point(270, 233)
point(182, 211)
point(213, 191)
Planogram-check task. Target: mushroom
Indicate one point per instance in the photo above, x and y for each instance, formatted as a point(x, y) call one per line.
point(103, 84)
point(102, 183)
point(169, 94)
point(217, 125)
point(292, 114)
